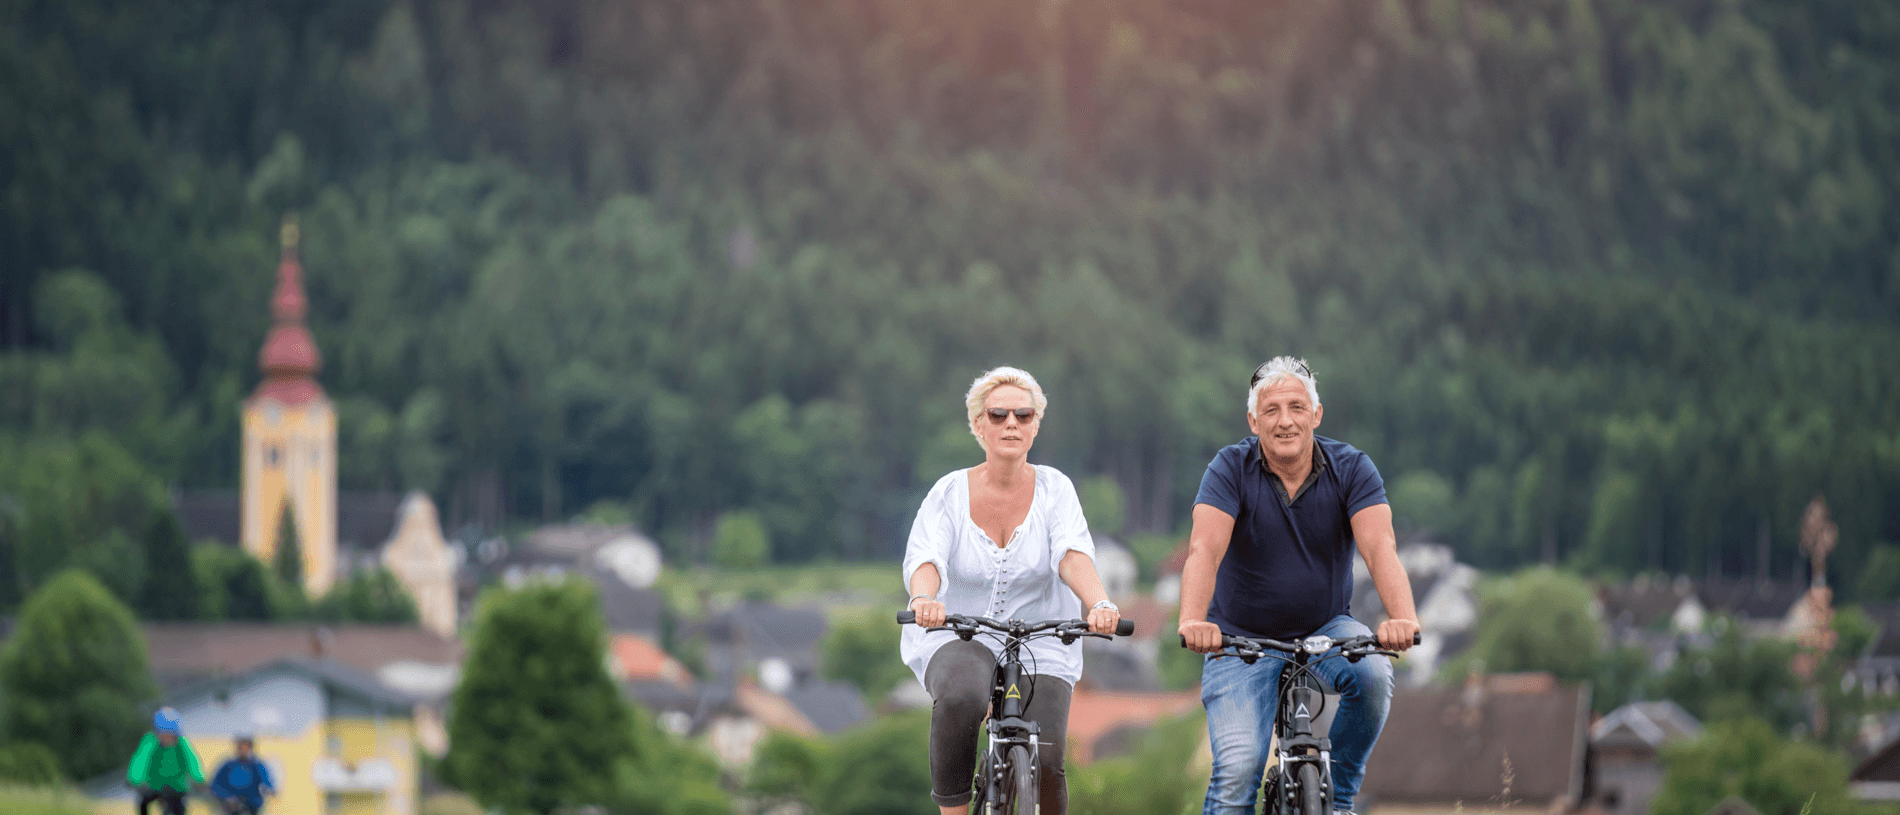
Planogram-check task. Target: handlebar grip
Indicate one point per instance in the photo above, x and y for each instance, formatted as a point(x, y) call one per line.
point(1415, 638)
point(1125, 628)
point(906, 617)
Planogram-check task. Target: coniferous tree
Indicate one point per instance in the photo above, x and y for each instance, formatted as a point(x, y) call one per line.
point(288, 560)
point(74, 675)
point(170, 590)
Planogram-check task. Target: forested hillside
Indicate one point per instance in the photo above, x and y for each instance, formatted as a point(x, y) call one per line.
point(1604, 282)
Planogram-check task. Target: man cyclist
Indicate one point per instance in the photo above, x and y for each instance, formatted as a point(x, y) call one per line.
point(165, 767)
point(1275, 523)
point(242, 781)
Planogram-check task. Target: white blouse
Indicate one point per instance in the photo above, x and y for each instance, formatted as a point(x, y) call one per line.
point(980, 579)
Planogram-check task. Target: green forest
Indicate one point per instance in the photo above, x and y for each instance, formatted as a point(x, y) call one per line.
point(1603, 283)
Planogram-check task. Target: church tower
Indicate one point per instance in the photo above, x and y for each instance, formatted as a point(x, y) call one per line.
point(290, 437)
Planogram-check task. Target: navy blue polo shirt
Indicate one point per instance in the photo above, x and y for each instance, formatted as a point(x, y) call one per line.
point(1288, 567)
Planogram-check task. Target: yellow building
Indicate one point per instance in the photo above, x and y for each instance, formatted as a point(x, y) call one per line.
point(336, 741)
point(289, 454)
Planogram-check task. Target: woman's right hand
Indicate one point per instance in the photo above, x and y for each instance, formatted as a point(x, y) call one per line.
point(930, 613)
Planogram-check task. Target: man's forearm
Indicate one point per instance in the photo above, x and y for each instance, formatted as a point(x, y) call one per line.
point(1394, 587)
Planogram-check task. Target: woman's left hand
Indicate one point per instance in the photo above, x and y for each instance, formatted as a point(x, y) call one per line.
point(1104, 620)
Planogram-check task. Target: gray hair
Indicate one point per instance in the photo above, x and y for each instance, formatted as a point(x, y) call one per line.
point(1005, 375)
point(1278, 368)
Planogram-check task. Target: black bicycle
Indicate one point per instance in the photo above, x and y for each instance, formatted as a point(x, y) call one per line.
point(1006, 782)
point(1301, 780)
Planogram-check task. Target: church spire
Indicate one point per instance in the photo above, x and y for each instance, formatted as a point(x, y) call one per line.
point(289, 358)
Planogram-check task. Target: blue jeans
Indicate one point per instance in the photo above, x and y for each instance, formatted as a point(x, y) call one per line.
point(1241, 700)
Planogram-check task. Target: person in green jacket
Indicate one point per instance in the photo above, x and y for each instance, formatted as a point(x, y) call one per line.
point(165, 766)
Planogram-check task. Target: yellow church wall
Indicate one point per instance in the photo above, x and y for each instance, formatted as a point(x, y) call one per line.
point(302, 470)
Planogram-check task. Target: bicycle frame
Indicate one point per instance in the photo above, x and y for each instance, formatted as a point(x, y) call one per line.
point(1007, 725)
point(1294, 743)
point(1300, 698)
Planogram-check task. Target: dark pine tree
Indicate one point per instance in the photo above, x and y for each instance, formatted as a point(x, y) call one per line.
point(170, 590)
point(288, 561)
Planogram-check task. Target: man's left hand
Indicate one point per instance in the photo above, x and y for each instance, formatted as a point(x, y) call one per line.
point(1104, 620)
point(1396, 635)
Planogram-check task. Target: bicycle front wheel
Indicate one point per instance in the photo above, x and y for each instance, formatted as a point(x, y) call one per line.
point(1312, 798)
point(1021, 796)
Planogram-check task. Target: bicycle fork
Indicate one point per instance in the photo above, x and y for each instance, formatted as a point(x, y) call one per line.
point(1010, 729)
point(1300, 746)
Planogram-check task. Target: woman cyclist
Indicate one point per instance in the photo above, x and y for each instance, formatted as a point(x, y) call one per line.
point(1005, 540)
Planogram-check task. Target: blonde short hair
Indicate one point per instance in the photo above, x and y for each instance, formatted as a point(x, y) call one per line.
point(1276, 369)
point(1005, 375)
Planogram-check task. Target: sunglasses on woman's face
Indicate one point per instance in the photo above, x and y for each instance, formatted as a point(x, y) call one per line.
point(1000, 415)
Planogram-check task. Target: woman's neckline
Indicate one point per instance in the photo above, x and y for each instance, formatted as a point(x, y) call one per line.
point(969, 504)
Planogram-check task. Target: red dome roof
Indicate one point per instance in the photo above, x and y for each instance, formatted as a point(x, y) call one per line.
point(289, 351)
point(289, 357)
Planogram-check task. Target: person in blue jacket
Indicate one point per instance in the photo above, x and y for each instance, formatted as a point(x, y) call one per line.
point(242, 782)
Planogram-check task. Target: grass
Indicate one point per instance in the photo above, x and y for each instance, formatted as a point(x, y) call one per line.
point(16, 800)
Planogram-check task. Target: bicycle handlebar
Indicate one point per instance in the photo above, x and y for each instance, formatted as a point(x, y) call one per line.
point(1124, 628)
point(1315, 645)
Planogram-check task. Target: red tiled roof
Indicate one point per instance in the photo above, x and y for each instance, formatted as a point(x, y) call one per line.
point(637, 658)
point(1092, 714)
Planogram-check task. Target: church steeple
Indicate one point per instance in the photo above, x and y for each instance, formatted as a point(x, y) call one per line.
point(289, 358)
point(290, 436)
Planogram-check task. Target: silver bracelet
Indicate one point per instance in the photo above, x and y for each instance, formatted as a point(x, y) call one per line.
point(1107, 604)
point(915, 597)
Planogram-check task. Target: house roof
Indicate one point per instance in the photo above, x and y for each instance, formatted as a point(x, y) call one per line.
point(1886, 616)
point(773, 710)
point(1644, 601)
point(1094, 715)
point(626, 608)
point(1446, 744)
point(183, 653)
point(658, 696)
point(637, 658)
point(830, 706)
point(1750, 599)
point(364, 520)
point(1644, 724)
point(763, 631)
point(1883, 765)
point(328, 672)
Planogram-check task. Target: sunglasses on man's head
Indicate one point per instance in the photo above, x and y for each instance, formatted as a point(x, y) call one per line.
point(1261, 372)
point(1000, 415)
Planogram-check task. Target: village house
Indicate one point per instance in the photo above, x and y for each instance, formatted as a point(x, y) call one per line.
point(336, 740)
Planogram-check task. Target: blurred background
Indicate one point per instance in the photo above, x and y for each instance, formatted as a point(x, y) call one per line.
point(361, 359)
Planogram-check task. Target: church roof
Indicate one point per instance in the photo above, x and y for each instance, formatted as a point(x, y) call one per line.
point(289, 358)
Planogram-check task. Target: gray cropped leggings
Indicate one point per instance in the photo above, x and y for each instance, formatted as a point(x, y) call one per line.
point(959, 680)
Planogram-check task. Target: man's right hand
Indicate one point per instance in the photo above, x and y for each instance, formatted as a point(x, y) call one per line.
point(1201, 637)
point(930, 613)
